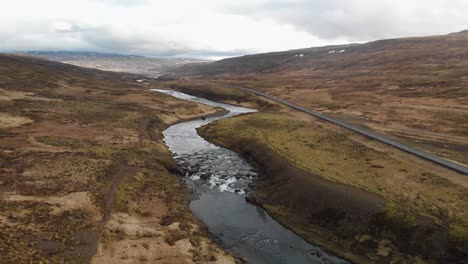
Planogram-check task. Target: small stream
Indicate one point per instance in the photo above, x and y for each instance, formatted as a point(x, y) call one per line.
point(220, 178)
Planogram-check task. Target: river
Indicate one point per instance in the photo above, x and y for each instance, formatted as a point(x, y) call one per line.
point(220, 179)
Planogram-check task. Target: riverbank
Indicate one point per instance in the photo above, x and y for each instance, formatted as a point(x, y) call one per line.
point(314, 181)
point(219, 179)
point(152, 220)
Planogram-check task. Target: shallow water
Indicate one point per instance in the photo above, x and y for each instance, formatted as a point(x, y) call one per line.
point(220, 178)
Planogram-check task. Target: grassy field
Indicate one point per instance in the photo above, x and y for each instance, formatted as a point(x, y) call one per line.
point(221, 93)
point(421, 201)
point(413, 90)
point(84, 175)
point(430, 110)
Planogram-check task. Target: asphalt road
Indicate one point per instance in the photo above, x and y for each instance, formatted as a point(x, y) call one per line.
point(438, 160)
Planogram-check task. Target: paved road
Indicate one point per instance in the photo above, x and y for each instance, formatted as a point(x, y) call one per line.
point(419, 153)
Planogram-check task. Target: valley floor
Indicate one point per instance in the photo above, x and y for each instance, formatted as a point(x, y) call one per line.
point(85, 176)
point(428, 116)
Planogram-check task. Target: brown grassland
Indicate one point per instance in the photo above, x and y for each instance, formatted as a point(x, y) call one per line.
point(359, 198)
point(84, 175)
point(414, 90)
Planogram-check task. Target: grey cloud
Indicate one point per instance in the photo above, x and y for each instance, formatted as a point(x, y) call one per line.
point(124, 2)
point(151, 28)
point(361, 20)
point(212, 54)
point(104, 39)
point(82, 38)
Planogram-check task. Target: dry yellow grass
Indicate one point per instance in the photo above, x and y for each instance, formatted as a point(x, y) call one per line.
point(334, 156)
point(412, 189)
point(7, 120)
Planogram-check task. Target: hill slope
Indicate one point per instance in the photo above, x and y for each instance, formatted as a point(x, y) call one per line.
point(413, 89)
point(84, 174)
point(116, 62)
point(391, 54)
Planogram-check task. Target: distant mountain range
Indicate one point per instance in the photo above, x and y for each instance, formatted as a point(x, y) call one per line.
point(390, 53)
point(152, 67)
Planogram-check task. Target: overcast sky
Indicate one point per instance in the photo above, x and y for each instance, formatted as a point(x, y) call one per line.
point(217, 28)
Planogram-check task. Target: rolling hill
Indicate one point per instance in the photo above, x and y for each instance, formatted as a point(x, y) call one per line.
point(388, 54)
point(81, 159)
point(115, 62)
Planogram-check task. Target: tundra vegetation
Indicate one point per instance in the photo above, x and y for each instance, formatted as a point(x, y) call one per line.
point(363, 200)
point(359, 198)
point(84, 175)
point(411, 89)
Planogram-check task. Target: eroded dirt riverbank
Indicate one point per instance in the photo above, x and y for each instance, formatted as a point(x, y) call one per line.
point(311, 187)
point(220, 178)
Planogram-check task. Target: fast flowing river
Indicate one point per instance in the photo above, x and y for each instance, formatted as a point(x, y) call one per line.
point(220, 179)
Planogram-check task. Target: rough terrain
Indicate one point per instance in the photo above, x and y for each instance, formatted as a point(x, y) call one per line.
point(152, 67)
point(359, 198)
point(84, 175)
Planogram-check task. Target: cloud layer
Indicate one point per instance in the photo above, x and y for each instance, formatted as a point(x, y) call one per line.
point(217, 28)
